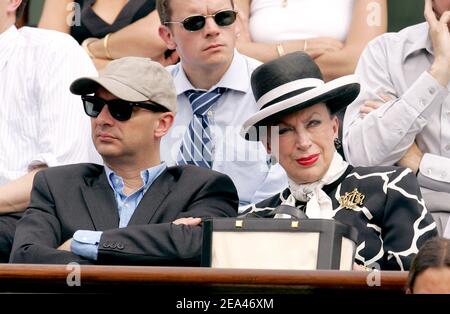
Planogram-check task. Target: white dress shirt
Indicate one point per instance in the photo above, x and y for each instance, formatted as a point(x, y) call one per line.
point(245, 162)
point(397, 64)
point(41, 121)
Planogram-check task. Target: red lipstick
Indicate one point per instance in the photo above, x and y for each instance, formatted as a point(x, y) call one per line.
point(309, 160)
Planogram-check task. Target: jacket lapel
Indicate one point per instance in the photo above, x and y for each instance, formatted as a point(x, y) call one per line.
point(152, 199)
point(99, 198)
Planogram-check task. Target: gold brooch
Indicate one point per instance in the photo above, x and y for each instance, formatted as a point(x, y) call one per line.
point(352, 200)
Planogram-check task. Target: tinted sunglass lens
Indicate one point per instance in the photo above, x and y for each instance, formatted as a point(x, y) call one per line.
point(92, 108)
point(120, 110)
point(225, 18)
point(194, 23)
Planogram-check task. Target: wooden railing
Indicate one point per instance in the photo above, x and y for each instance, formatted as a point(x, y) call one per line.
point(70, 278)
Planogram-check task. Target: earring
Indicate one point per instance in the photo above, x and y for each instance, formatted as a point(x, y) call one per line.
point(337, 143)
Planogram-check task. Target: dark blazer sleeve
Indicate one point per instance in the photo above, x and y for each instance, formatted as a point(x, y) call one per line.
point(38, 233)
point(407, 224)
point(166, 243)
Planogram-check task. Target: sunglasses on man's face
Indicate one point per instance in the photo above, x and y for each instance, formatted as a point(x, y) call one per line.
point(119, 109)
point(197, 22)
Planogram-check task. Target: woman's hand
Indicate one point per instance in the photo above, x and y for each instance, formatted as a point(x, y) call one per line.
point(315, 47)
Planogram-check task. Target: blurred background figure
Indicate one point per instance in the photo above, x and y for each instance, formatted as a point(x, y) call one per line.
point(333, 33)
point(42, 123)
point(109, 29)
point(402, 114)
point(430, 269)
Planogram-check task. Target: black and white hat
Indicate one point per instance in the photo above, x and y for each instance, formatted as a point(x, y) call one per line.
point(294, 82)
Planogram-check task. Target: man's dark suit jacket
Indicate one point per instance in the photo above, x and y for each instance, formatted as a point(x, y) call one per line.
point(78, 197)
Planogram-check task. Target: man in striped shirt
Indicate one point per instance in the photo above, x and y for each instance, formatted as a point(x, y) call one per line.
point(41, 123)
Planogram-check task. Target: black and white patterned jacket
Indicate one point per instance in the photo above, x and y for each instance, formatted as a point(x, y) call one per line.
point(392, 221)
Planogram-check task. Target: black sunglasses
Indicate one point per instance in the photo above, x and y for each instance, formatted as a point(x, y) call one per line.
point(119, 109)
point(197, 22)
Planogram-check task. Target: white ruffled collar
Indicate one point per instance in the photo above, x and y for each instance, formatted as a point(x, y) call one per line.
point(318, 202)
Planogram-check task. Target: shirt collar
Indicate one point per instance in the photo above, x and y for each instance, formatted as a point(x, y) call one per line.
point(233, 78)
point(7, 40)
point(148, 177)
point(419, 40)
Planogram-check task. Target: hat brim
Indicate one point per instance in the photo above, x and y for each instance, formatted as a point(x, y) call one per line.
point(88, 85)
point(337, 94)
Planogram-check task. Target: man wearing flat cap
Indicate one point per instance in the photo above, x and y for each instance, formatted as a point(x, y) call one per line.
point(134, 209)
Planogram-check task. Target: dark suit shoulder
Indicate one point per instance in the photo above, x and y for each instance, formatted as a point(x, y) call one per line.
point(192, 178)
point(68, 172)
point(194, 173)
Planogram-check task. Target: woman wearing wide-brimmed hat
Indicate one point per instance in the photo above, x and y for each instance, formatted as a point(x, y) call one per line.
point(296, 123)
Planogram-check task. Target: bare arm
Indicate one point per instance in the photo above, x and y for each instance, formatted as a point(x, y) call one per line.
point(140, 38)
point(266, 52)
point(369, 21)
point(15, 195)
point(334, 58)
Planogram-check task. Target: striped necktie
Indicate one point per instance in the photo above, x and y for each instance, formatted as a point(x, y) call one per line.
point(197, 146)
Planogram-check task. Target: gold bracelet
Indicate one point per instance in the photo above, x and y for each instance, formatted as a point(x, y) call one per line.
point(305, 46)
point(85, 44)
point(105, 44)
point(280, 50)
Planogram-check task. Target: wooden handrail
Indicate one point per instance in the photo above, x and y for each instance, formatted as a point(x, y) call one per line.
point(18, 275)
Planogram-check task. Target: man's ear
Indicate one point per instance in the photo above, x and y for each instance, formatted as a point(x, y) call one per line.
point(166, 35)
point(12, 6)
point(164, 124)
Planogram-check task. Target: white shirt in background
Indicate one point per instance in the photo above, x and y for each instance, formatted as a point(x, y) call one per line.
point(41, 122)
point(273, 21)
